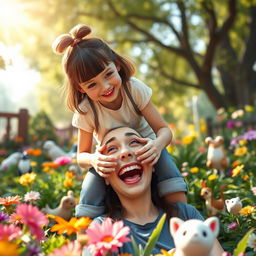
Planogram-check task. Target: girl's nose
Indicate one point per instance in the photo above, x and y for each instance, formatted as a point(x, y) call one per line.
point(105, 84)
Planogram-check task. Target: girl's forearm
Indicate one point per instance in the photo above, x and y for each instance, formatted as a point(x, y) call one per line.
point(85, 159)
point(163, 137)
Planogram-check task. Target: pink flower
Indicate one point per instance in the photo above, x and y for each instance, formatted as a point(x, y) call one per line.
point(70, 249)
point(107, 236)
point(254, 190)
point(232, 225)
point(9, 232)
point(63, 160)
point(33, 218)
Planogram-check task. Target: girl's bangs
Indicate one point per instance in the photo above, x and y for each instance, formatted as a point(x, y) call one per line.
point(90, 65)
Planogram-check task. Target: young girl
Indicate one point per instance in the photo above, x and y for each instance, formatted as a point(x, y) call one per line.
point(104, 95)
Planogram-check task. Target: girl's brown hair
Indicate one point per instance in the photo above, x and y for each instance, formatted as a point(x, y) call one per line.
point(83, 59)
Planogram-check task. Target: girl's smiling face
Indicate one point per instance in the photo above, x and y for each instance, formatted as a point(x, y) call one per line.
point(105, 87)
point(131, 178)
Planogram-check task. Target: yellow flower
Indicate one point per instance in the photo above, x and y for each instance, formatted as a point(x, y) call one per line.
point(249, 108)
point(82, 223)
point(33, 163)
point(187, 140)
point(170, 148)
point(242, 142)
point(8, 249)
point(68, 183)
point(165, 253)
point(247, 210)
point(203, 128)
point(213, 177)
point(236, 171)
point(27, 179)
point(194, 170)
point(191, 127)
point(241, 151)
point(69, 175)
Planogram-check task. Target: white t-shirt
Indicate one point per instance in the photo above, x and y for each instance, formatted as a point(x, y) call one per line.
point(124, 116)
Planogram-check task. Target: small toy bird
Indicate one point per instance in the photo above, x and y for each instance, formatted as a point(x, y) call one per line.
point(24, 164)
point(64, 210)
point(53, 150)
point(10, 161)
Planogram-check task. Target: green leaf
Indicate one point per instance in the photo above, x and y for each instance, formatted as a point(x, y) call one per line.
point(154, 237)
point(135, 247)
point(243, 243)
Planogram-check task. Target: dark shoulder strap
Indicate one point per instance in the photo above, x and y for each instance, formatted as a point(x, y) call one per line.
point(131, 99)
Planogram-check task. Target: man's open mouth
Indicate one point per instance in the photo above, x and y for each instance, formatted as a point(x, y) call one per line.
point(131, 173)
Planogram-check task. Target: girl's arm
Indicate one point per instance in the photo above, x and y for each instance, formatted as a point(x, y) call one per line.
point(101, 163)
point(159, 126)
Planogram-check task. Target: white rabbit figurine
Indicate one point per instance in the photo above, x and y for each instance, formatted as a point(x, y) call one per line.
point(234, 205)
point(194, 237)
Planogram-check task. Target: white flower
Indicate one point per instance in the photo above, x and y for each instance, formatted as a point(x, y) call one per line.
point(254, 190)
point(31, 196)
point(252, 241)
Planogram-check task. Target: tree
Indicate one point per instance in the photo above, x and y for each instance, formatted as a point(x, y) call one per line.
point(150, 24)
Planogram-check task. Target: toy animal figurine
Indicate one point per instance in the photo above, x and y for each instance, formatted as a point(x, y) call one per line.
point(233, 205)
point(53, 150)
point(216, 155)
point(194, 237)
point(65, 207)
point(24, 164)
point(10, 161)
point(213, 206)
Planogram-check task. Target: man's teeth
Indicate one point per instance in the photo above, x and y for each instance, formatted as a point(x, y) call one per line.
point(129, 168)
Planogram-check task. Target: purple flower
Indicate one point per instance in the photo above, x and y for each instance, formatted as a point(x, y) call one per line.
point(33, 250)
point(3, 216)
point(232, 225)
point(230, 124)
point(250, 135)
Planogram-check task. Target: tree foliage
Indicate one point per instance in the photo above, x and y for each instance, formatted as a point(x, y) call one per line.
point(179, 46)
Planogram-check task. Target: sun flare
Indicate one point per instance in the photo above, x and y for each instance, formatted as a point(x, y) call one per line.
point(12, 13)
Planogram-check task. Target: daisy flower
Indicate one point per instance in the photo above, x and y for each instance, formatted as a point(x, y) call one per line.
point(8, 249)
point(33, 218)
point(9, 200)
point(247, 210)
point(70, 249)
point(107, 236)
point(31, 196)
point(64, 226)
point(63, 160)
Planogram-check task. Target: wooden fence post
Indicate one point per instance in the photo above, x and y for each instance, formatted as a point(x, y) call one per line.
point(23, 124)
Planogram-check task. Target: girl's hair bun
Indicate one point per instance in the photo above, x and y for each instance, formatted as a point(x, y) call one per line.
point(80, 31)
point(62, 42)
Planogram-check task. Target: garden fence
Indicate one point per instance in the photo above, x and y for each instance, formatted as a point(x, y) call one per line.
point(21, 129)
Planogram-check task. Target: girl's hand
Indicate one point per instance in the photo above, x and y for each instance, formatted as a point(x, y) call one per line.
point(148, 154)
point(103, 164)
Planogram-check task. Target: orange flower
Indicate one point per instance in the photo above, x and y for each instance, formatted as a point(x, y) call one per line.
point(34, 152)
point(69, 175)
point(64, 226)
point(68, 183)
point(50, 164)
point(236, 163)
point(8, 249)
point(241, 151)
point(19, 139)
point(10, 200)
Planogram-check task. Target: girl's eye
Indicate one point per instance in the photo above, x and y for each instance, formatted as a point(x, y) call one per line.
point(91, 85)
point(109, 74)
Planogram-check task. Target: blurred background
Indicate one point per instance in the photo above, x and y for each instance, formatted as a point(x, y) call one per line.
point(198, 56)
